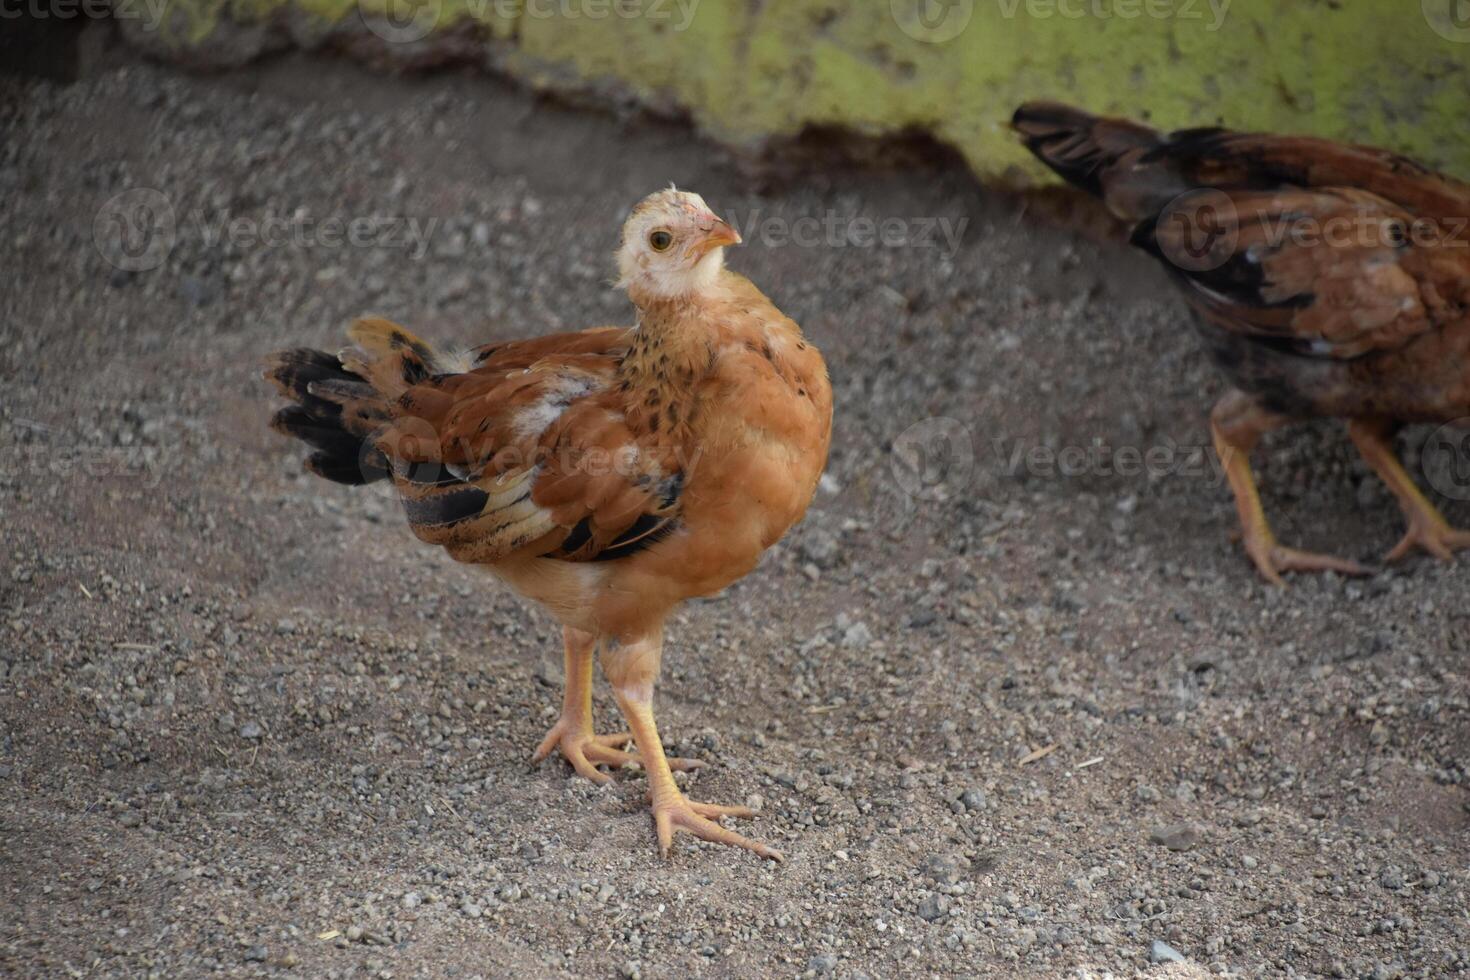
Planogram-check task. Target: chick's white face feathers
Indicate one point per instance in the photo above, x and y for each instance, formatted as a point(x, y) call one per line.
point(673, 246)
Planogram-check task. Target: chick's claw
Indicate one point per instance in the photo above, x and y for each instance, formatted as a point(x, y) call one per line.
point(1434, 536)
point(586, 751)
point(702, 820)
point(1273, 559)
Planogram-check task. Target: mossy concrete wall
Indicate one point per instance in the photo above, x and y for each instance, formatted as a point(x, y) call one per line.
point(1395, 73)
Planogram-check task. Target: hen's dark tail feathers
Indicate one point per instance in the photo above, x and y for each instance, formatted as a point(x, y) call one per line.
point(336, 412)
point(1079, 146)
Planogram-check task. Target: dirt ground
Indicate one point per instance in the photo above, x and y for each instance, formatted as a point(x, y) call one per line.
point(1037, 717)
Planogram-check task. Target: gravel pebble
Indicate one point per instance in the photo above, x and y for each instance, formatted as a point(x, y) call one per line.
point(1161, 952)
point(1176, 837)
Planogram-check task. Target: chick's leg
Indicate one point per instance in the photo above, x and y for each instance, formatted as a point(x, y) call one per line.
point(1237, 425)
point(1427, 527)
point(632, 668)
point(572, 735)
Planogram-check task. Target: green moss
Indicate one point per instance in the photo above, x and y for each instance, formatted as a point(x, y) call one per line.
point(1368, 72)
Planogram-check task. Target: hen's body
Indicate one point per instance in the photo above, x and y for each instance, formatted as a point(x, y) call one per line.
point(608, 474)
point(1331, 281)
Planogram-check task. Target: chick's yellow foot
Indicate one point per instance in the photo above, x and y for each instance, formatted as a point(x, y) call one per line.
point(1433, 533)
point(1271, 559)
point(702, 820)
point(586, 751)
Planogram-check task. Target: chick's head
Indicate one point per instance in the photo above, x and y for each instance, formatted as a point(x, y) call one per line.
point(673, 245)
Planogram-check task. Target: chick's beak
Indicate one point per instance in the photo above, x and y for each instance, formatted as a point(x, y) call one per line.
point(717, 237)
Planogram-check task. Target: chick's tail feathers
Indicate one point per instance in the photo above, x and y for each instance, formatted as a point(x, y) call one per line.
point(341, 402)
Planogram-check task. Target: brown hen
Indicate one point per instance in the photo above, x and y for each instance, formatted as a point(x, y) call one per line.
point(1330, 281)
point(607, 475)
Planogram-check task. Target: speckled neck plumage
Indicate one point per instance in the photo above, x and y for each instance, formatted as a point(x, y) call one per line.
point(671, 353)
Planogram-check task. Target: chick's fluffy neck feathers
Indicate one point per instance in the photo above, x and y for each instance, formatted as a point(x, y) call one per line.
point(672, 350)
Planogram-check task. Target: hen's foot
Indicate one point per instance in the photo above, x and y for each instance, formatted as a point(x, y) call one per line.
point(586, 751)
point(1433, 533)
point(702, 820)
point(1237, 424)
point(1427, 527)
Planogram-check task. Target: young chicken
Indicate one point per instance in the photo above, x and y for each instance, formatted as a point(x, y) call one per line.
point(1331, 281)
point(607, 475)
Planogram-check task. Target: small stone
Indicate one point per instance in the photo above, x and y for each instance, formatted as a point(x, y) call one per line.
point(412, 900)
point(471, 909)
point(256, 954)
point(821, 548)
point(857, 636)
point(822, 963)
point(1176, 837)
point(973, 799)
point(934, 906)
point(1162, 952)
point(251, 729)
point(1391, 878)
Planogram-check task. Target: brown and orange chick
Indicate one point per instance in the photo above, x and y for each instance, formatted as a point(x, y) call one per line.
point(1330, 281)
point(607, 475)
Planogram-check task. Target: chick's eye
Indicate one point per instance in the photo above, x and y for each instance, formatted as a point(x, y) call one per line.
point(660, 240)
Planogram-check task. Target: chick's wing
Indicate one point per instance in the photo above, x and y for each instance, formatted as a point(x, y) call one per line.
point(528, 451)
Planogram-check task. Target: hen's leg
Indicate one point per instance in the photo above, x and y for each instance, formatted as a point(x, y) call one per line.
point(1237, 425)
point(572, 735)
point(1427, 527)
point(632, 668)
